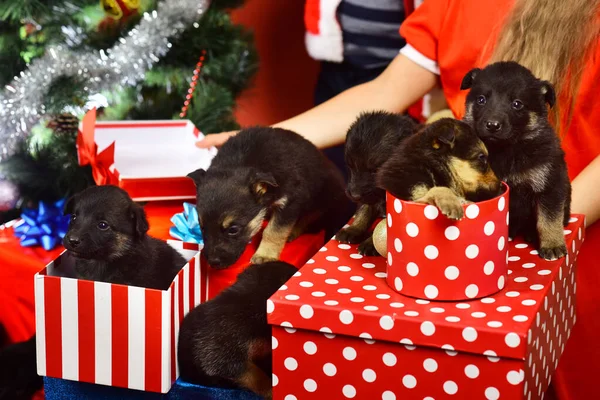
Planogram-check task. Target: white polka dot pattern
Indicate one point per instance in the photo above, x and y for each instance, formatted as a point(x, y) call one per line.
point(372, 342)
point(420, 237)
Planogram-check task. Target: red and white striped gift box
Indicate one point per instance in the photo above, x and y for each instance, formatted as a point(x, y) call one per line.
point(111, 334)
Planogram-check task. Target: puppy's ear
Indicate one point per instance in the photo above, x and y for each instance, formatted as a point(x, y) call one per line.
point(70, 205)
point(197, 176)
point(138, 216)
point(469, 78)
point(445, 138)
point(262, 182)
point(548, 92)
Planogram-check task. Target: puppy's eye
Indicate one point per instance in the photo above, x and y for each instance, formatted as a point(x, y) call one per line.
point(73, 218)
point(233, 230)
point(517, 104)
point(482, 158)
point(102, 225)
point(481, 100)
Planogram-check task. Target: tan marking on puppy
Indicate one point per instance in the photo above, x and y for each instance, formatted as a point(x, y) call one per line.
point(552, 238)
point(365, 215)
point(255, 380)
point(468, 179)
point(468, 113)
point(274, 238)
point(533, 121)
point(445, 199)
point(256, 223)
point(418, 192)
point(228, 221)
point(303, 224)
point(281, 203)
point(260, 188)
point(536, 177)
point(122, 245)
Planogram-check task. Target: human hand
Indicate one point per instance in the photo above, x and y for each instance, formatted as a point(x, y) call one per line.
point(215, 139)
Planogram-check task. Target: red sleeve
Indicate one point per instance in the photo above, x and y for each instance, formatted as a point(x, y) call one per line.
point(422, 28)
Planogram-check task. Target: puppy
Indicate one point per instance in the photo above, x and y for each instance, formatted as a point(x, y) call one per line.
point(507, 106)
point(370, 141)
point(107, 237)
point(443, 164)
point(223, 341)
point(265, 173)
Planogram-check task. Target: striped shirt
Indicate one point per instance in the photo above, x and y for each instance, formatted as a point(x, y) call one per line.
point(370, 30)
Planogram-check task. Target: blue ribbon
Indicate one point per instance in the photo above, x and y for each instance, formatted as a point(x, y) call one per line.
point(187, 227)
point(44, 226)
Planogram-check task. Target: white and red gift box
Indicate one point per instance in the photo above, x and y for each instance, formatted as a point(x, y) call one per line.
point(339, 331)
point(110, 334)
point(148, 159)
point(433, 257)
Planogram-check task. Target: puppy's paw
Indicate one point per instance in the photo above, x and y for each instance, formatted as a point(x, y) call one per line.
point(367, 248)
point(451, 207)
point(553, 253)
point(262, 258)
point(350, 235)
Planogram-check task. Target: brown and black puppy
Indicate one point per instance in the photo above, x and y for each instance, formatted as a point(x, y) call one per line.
point(227, 340)
point(265, 173)
point(107, 237)
point(370, 142)
point(443, 164)
point(507, 106)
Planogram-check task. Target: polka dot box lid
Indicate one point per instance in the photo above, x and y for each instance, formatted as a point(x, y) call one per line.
point(339, 291)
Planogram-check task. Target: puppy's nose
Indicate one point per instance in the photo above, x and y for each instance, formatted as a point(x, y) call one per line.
point(493, 126)
point(74, 241)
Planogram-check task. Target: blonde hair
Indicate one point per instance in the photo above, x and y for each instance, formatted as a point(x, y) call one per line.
point(553, 38)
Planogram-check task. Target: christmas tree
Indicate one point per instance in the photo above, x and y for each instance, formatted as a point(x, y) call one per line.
point(132, 59)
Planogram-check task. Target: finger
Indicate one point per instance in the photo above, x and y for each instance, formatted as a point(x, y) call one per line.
point(215, 139)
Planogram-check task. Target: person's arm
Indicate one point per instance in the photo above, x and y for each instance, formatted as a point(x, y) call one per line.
point(585, 198)
point(401, 84)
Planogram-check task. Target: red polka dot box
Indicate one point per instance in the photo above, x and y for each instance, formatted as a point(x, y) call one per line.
point(341, 332)
point(433, 257)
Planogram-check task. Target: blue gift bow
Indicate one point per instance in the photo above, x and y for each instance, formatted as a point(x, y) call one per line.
point(187, 227)
point(44, 226)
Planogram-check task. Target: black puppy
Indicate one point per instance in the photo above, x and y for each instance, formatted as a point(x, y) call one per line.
point(265, 173)
point(107, 236)
point(225, 341)
point(443, 164)
point(370, 142)
point(507, 106)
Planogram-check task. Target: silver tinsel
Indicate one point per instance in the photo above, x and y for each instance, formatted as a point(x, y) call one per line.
point(21, 103)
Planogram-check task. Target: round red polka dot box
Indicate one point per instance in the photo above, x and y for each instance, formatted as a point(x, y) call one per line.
point(433, 257)
point(341, 332)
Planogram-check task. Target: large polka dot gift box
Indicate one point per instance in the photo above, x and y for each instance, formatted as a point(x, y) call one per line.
point(433, 257)
point(341, 332)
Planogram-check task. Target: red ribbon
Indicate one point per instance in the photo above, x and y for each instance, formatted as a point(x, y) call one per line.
point(87, 149)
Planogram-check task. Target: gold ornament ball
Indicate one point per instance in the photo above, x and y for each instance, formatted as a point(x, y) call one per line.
point(380, 238)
